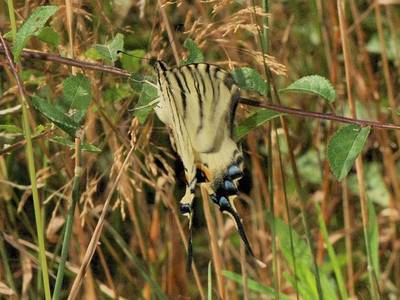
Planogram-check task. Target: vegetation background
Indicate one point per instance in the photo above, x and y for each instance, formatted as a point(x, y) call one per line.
point(72, 138)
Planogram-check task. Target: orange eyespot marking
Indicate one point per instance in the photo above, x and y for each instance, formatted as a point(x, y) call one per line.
point(206, 171)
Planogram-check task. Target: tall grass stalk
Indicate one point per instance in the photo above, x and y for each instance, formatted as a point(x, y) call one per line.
point(70, 220)
point(29, 156)
point(264, 44)
point(348, 240)
point(97, 233)
point(10, 5)
point(359, 162)
point(141, 268)
point(214, 244)
point(36, 200)
point(6, 265)
point(209, 281)
point(332, 254)
point(288, 215)
point(273, 94)
point(77, 174)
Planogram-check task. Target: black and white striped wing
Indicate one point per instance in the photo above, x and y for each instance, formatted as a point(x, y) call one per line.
point(198, 102)
point(170, 111)
point(206, 99)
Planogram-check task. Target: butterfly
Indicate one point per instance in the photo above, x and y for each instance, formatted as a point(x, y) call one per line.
point(198, 103)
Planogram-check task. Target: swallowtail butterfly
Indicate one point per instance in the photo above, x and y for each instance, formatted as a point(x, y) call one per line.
point(198, 103)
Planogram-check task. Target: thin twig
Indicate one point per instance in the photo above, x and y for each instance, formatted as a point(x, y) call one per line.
point(22, 143)
point(169, 31)
point(317, 115)
point(33, 54)
point(28, 53)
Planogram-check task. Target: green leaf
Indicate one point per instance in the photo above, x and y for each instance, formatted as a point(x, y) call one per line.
point(137, 81)
point(313, 84)
point(195, 55)
point(302, 259)
point(132, 63)
point(373, 234)
point(110, 51)
point(375, 185)
point(10, 128)
point(249, 79)
point(118, 92)
point(332, 254)
point(49, 36)
point(260, 117)
point(344, 147)
point(55, 115)
point(374, 46)
point(253, 285)
point(31, 26)
point(70, 144)
point(8, 36)
point(30, 76)
point(302, 252)
point(77, 96)
point(92, 53)
point(145, 104)
point(39, 129)
point(307, 165)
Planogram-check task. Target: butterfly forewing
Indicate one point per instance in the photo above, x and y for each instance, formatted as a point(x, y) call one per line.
point(171, 110)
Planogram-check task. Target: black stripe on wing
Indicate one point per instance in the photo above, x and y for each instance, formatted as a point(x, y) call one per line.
point(182, 91)
point(200, 98)
point(204, 97)
point(234, 103)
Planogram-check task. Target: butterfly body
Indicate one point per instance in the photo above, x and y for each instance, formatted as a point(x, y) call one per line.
point(198, 103)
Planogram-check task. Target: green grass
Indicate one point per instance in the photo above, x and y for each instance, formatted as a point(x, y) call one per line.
point(319, 198)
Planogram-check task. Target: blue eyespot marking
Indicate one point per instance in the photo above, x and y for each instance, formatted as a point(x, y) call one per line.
point(224, 203)
point(230, 187)
point(234, 171)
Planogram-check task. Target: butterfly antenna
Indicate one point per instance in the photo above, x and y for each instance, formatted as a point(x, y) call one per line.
point(123, 52)
point(151, 60)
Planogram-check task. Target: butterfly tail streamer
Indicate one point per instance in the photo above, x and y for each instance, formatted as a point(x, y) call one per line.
point(186, 209)
point(189, 250)
point(240, 228)
point(242, 233)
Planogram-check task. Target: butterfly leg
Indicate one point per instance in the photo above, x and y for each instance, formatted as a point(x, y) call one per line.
point(186, 209)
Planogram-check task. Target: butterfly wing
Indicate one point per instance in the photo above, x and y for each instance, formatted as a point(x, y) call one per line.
point(210, 126)
point(170, 111)
point(210, 101)
point(202, 100)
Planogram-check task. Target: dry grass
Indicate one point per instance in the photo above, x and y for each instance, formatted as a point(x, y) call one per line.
point(127, 218)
